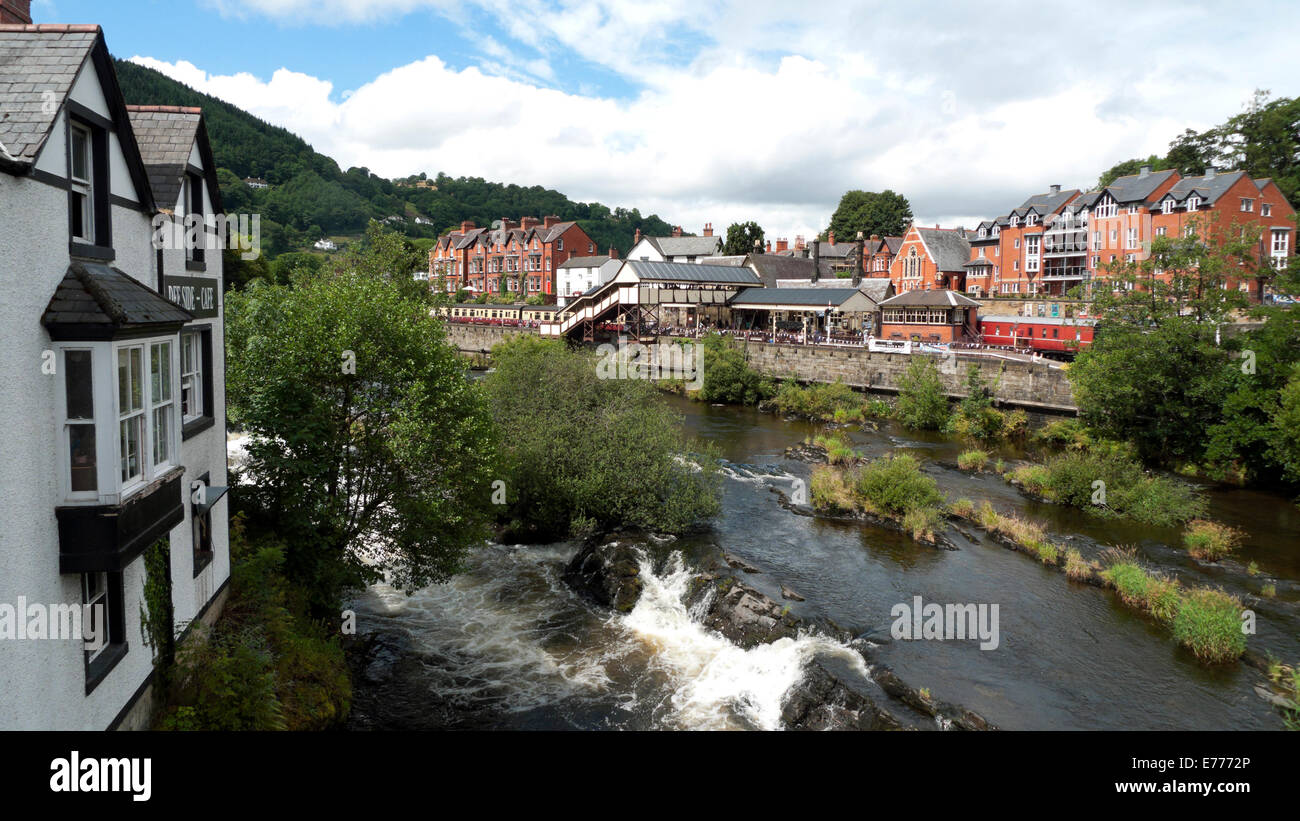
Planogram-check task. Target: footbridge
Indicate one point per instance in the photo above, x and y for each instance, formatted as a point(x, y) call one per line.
point(641, 289)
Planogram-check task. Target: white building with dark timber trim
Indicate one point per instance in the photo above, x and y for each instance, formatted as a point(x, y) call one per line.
point(113, 400)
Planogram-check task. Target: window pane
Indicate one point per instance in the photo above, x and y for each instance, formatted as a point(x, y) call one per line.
point(131, 436)
point(160, 370)
point(79, 209)
point(81, 450)
point(80, 152)
point(162, 434)
point(77, 381)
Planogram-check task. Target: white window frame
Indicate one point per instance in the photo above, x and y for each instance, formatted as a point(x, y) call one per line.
point(149, 468)
point(83, 187)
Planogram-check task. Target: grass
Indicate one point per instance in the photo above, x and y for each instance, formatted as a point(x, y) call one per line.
point(1204, 620)
point(839, 451)
point(829, 402)
point(1109, 481)
point(1076, 567)
point(1210, 541)
point(973, 460)
point(1268, 591)
point(892, 487)
point(962, 508)
point(1030, 536)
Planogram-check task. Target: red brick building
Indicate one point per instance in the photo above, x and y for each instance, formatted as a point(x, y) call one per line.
point(521, 256)
point(930, 259)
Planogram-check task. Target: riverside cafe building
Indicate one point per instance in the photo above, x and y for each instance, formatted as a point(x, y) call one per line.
point(825, 312)
point(934, 316)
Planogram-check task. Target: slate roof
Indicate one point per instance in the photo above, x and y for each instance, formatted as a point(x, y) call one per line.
point(36, 61)
point(930, 299)
point(773, 267)
point(819, 297)
point(1048, 202)
point(584, 262)
point(1209, 189)
point(687, 246)
point(1137, 187)
point(691, 272)
point(105, 300)
point(876, 289)
point(165, 135)
point(950, 249)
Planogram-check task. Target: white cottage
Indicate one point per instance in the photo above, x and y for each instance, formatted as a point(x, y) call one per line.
point(114, 398)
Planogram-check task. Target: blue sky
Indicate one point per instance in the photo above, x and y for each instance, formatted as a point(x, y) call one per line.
point(725, 110)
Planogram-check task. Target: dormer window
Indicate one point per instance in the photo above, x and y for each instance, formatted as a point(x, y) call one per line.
point(193, 217)
point(1167, 207)
point(81, 174)
point(1193, 203)
point(997, 230)
point(1015, 222)
point(1031, 219)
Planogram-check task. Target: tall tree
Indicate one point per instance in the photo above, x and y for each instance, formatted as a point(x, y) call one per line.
point(741, 238)
point(369, 450)
point(883, 213)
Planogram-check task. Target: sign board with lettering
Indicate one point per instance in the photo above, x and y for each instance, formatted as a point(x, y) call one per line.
point(198, 295)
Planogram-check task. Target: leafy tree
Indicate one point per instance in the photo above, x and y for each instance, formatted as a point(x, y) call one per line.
point(922, 404)
point(594, 453)
point(884, 213)
point(369, 449)
point(386, 254)
point(1155, 375)
point(741, 239)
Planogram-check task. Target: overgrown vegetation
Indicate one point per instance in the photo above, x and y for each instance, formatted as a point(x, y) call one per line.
point(1107, 480)
point(892, 487)
point(1210, 541)
point(728, 377)
point(580, 453)
point(266, 664)
point(975, 417)
point(972, 460)
point(922, 404)
point(829, 402)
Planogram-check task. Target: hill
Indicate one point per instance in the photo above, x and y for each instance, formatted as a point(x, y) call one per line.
point(311, 196)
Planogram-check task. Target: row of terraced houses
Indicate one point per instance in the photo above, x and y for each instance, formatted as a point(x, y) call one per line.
point(1053, 242)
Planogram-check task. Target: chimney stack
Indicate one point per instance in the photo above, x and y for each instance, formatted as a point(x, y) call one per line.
point(1144, 171)
point(508, 224)
point(708, 229)
point(613, 252)
point(677, 230)
point(1056, 189)
point(549, 220)
point(758, 246)
point(1210, 171)
point(830, 236)
point(769, 246)
point(529, 222)
point(782, 245)
point(859, 264)
point(16, 11)
point(817, 260)
point(799, 244)
point(638, 237)
point(467, 226)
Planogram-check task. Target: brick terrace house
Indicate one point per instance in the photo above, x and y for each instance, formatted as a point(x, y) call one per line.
point(930, 258)
point(522, 256)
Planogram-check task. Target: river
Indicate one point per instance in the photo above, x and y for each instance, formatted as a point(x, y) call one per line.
point(508, 645)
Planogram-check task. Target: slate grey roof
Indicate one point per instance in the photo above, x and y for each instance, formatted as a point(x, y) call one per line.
point(165, 135)
point(794, 296)
point(876, 289)
point(105, 300)
point(687, 246)
point(1137, 187)
point(584, 262)
point(1049, 202)
point(930, 299)
point(949, 248)
point(35, 62)
point(1209, 189)
point(773, 267)
point(837, 249)
point(691, 272)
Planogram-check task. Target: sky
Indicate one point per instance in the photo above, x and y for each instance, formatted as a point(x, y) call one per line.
point(724, 111)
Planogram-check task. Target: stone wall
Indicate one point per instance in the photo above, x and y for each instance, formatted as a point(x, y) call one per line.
point(1031, 385)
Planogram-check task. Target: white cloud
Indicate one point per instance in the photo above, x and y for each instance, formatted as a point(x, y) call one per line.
point(757, 109)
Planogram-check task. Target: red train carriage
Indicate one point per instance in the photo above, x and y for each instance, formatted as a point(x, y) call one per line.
point(1059, 337)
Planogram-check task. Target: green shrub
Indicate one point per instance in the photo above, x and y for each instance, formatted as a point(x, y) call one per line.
point(829, 491)
point(1209, 624)
point(895, 485)
point(1063, 433)
point(1071, 478)
point(833, 401)
point(1210, 541)
point(972, 460)
point(728, 377)
point(923, 522)
point(922, 403)
point(962, 508)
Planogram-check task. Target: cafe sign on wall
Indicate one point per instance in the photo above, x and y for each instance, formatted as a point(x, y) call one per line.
point(198, 295)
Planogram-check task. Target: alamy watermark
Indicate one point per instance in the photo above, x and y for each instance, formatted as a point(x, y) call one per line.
point(658, 361)
point(945, 622)
point(210, 232)
point(29, 621)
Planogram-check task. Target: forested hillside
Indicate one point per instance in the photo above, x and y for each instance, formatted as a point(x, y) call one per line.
point(311, 197)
